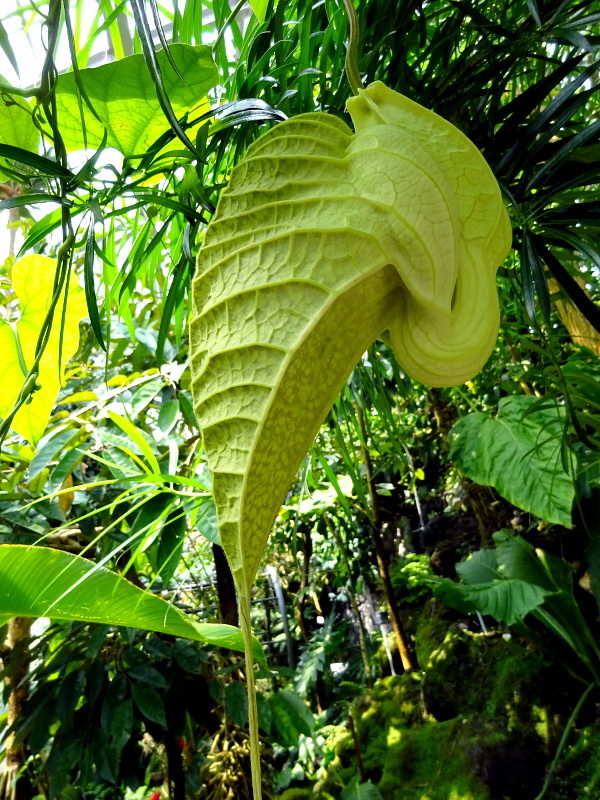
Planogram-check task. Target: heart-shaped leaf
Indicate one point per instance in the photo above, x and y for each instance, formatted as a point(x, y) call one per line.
point(323, 240)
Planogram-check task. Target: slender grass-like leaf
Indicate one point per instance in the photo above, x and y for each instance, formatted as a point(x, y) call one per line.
point(90, 287)
point(143, 30)
point(132, 432)
point(587, 306)
point(31, 200)
point(44, 165)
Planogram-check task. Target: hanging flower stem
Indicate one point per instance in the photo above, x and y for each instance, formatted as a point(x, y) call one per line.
point(352, 72)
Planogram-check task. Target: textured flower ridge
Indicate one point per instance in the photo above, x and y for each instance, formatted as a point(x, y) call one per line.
point(324, 240)
point(447, 322)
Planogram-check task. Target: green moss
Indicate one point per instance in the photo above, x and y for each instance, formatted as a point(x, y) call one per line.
point(578, 774)
point(428, 762)
point(431, 629)
point(410, 755)
point(483, 675)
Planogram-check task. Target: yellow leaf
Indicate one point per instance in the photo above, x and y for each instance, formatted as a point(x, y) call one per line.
point(33, 282)
point(65, 501)
point(79, 397)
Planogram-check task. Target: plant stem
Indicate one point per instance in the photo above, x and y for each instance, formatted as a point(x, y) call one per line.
point(351, 62)
point(244, 614)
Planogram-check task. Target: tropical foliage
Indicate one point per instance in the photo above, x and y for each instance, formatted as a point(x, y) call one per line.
point(116, 142)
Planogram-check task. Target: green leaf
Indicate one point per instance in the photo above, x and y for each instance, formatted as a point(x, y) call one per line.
point(17, 128)
point(90, 289)
point(44, 166)
point(124, 98)
point(149, 703)
point(134, 434)
point(260, 8)
point(290, 717)
point(147, 674)
point(361, 791)
point(315, 251)
point(33, 281)
point(49, 449)
point(41, 582)
point(507, 601)
point(167, 416)
point(189, 657)
point(265, 715)
point(480, 567)
point(170, 544)
point(122, 724)
point(206, 521)
point(31, 199)
point(69, 694)
point(236, 703)
point(519, 456)
point(113, 698)
point(7, 47)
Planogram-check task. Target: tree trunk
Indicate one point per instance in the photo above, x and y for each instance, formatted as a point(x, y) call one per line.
point(228, 610)
point(409, 661)
point(16, 658)
point(307, 553)
point(478, 499)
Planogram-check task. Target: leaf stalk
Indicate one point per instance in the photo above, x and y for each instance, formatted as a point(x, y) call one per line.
point(351, 62)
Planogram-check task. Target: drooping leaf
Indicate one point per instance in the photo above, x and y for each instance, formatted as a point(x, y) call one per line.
point(322, 241)
point(33, 282)
point(518, 453)
point(507, 601)
point(124, 98)
point(290, 717)
point(40, 581)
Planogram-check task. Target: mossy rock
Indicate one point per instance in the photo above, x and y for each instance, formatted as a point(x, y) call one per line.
point(431, 628)
point(427, 762)
point(578, 774)
point(395, 700)
point(413, 758)
point(479, 675)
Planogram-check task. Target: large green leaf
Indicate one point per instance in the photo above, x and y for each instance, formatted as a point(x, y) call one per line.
point(323, 240)
point(33, 282)
point(518, 453)
point(41, 582)
point(515, 580)
point(123, 96)
point(17, 128)
point(507, 601)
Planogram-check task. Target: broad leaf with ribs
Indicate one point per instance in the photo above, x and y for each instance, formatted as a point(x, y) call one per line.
point(323, 241)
